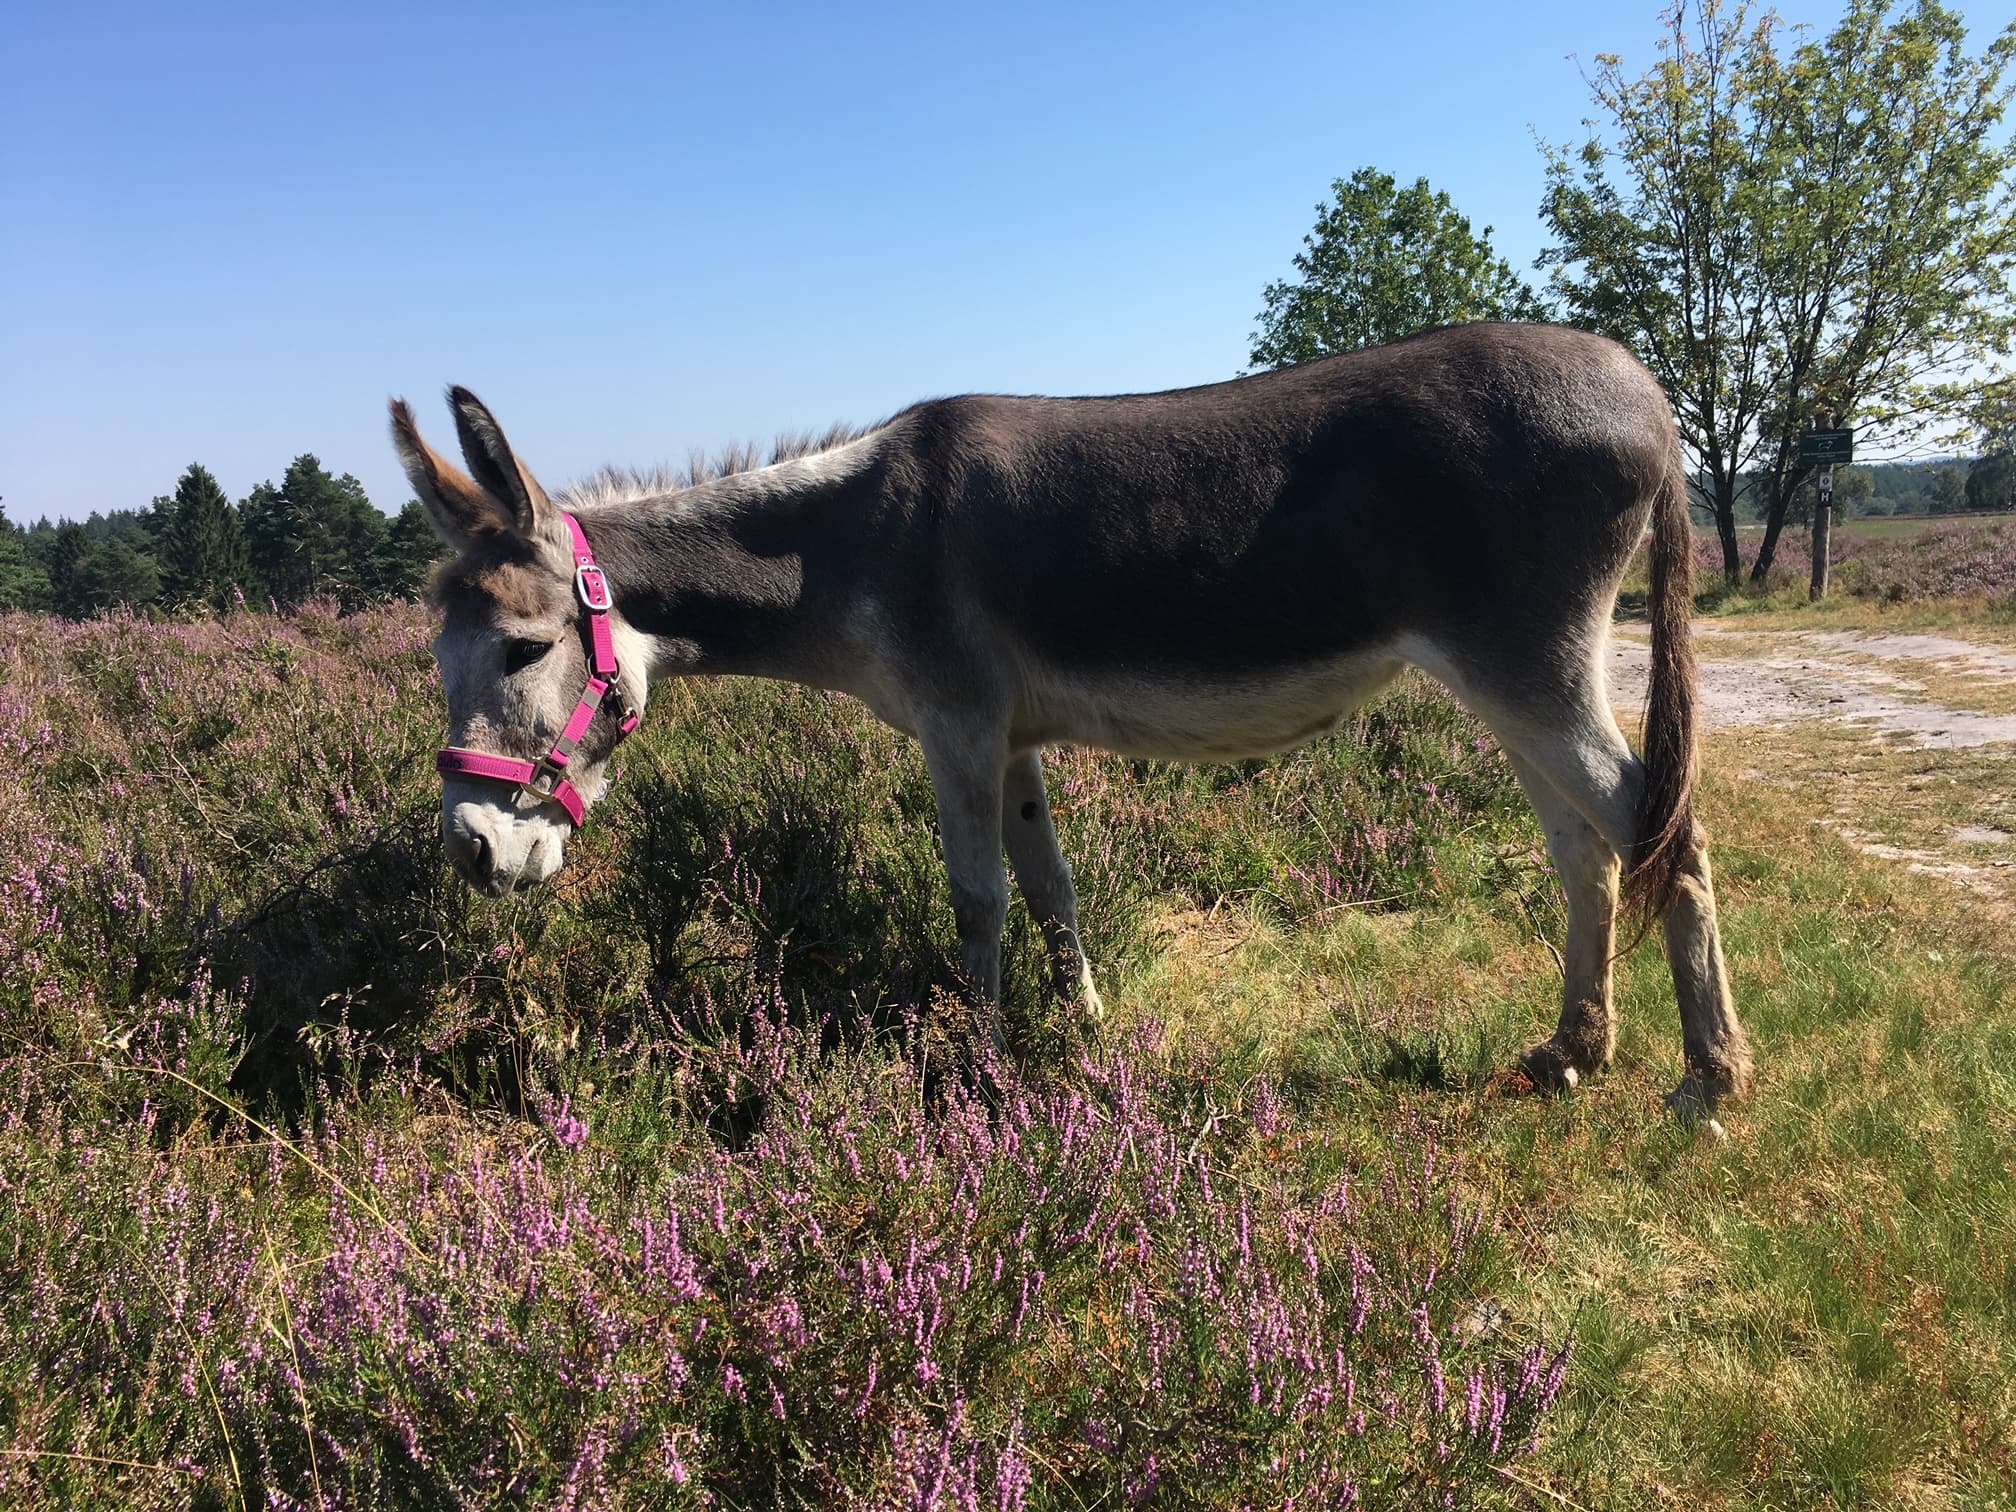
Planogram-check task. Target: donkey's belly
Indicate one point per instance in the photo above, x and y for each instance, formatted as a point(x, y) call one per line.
point(1167, 715)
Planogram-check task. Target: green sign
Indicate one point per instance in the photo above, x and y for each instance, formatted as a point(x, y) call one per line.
point(1825, 448)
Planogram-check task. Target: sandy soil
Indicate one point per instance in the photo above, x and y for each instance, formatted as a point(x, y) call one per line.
point(1825, 675)
point(1861, 681)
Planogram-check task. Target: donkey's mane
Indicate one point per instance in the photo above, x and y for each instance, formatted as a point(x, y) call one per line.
point(632, 485)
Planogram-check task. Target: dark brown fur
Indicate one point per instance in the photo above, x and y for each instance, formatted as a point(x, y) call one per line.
point(1666, 813)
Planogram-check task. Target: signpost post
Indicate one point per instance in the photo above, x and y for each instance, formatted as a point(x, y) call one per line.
point(1823, 448)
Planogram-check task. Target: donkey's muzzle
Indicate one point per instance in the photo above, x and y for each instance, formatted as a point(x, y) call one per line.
point(473, 854)
point(496, 851)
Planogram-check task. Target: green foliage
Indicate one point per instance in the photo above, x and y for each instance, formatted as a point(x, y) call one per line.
point(1991, 482)
point(1656, 237)
point(409, 548)
point(203, 553)
point(1382, 263)
point(1948, 493)
point(1783, 236)
point(90, 572)
point(314, 535)
point(23, 583)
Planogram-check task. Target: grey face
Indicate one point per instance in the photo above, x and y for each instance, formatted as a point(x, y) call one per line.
point(512, 680)
point(511, 652)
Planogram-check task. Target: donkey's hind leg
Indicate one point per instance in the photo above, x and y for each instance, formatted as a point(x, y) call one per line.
point(1577, 749)
point(1587, 864)
point(1718, 1051)
point(1045, 877)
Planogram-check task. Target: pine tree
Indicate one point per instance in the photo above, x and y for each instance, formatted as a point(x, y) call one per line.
point(203, 553)
point(314, 534)
point(269, 540)
point(92, 570)
point(410, 548)
point(23, 584)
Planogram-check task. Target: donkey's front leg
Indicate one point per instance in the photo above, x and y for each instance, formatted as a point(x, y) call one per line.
point(1045, 877)
point(966, 767)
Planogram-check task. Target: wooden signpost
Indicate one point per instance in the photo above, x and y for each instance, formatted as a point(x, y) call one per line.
point(1823, 448)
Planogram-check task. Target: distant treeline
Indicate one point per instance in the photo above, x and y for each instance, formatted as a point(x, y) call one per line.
point(1944, 485)
point(310, 536)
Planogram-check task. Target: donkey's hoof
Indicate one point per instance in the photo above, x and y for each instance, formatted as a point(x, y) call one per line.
point(1082, 998)
point(1094, 1005)
point(1551, 1067)
point(1693, 1103)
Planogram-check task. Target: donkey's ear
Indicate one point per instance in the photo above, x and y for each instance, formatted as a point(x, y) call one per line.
point(497, 467)
point(458, 509)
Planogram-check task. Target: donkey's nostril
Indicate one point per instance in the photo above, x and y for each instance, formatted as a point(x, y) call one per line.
point(473, 853)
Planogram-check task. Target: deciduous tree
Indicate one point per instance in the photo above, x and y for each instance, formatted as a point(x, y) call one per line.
point(1843, 243)
point(1656, 237)
point(1385, 262)
point(1991, 482)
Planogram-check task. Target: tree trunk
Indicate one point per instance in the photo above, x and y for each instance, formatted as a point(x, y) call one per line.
point(1768, 548)
point(1785, 483)
point(1725, 527)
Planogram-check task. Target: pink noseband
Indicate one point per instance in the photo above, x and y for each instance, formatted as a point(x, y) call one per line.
point(547, 779)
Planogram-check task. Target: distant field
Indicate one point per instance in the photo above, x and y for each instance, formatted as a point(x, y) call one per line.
point(1881, 527)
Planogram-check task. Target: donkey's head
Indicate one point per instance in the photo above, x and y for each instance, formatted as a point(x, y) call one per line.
point(516, 651)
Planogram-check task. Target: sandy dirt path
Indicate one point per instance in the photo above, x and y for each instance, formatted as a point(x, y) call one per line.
point(1872, 685)
point(1841, 676)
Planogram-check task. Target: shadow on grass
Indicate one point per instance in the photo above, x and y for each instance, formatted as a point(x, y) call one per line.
point(357, 939)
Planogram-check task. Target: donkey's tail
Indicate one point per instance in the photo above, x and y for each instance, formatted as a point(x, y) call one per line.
point(1666, 811)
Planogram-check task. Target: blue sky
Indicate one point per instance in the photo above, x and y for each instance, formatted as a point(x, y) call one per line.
point(230, 232)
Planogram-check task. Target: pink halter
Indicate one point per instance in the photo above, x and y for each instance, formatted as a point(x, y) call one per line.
point(547, 778)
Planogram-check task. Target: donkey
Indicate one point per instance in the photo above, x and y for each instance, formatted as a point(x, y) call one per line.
point(1205, 574)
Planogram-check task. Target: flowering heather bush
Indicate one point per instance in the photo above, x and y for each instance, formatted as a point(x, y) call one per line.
point(1958, 558)
point(1096, 1288)
point(1947, 560)
point(323, 1183)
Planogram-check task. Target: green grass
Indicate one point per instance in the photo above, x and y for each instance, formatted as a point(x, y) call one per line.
point(1817, 1311)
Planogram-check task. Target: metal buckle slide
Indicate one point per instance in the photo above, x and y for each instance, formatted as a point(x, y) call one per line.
point(593, 586)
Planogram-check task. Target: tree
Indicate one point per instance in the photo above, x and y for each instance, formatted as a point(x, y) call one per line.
point(410, 548)
point(1829, 233)
point(203, 553)
point(23, 584)
point(1854, 492)
point(314, 534)
point(1948, 491)
point(1991, 482)
point(1382, 263)
point(1890, 264)
point(90, 573)
point(1656, 239)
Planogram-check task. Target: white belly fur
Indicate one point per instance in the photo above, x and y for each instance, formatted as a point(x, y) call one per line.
point(1203, 719)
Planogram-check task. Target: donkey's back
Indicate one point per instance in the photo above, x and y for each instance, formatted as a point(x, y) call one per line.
point(1221, 571)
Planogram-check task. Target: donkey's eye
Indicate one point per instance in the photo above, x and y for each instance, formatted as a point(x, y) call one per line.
point(520, 654)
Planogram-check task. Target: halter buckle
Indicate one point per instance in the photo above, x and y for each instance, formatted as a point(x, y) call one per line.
point(545, 781)
point(593, 587)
